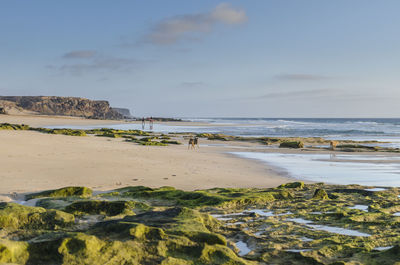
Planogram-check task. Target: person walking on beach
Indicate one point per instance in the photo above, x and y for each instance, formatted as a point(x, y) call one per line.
point(143, 123)
point(151, 123)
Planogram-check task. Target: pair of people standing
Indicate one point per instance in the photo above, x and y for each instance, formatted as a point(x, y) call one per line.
point(151, 122)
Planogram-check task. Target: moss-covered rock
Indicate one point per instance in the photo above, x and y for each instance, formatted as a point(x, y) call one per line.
point(13, 252)
point(15, 216)
point(16, 127)
point(213, 197)
point(293, 185)
point(170, 142)
point(84, 249)
point(294, 144)
point(109, 208)
point(70, 132)
point(143, 232)
point(320, 194)
point(63, 192)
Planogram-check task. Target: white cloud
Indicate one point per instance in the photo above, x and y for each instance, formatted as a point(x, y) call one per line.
point(301, 77)
point(225, 13)
point(190, 26)
point(89, 61)
point(82, 54)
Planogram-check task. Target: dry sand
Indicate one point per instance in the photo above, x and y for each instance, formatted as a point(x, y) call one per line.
point(32, 161)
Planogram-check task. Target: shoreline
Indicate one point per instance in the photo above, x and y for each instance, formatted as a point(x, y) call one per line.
point(45, 161)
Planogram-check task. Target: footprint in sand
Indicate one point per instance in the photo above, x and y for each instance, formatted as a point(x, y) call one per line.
point(165, 178)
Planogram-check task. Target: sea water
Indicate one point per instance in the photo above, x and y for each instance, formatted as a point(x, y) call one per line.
point(326, 168)
point(385, 131)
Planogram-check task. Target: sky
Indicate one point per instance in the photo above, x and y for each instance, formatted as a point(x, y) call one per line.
point(181, 58)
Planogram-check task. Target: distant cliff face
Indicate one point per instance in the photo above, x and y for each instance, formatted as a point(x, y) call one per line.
point(69, 106)
point(125, 112)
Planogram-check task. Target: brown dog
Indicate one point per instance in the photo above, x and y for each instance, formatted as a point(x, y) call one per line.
point(193, 142)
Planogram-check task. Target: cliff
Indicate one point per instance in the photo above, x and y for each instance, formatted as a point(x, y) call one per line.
point(68, 106)
point(125, 112)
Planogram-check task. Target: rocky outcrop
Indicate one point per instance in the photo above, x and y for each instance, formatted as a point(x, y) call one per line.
point(123, 111)
point(68, 106)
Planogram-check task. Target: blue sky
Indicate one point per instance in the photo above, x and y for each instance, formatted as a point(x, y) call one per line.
point(258, 58)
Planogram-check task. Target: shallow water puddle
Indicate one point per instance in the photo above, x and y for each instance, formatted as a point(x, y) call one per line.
point(306, 239)
point(261, 212)
point(383, 248)
point(330, 229)
point(31, 202)
point(298, 250)
point(236, 223)
point(243, 248)
point(396, 214)
point(360, 207)
point(376, 189)
point(225, 217)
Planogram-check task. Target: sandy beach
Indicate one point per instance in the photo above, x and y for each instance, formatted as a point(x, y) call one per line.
point(33, 161)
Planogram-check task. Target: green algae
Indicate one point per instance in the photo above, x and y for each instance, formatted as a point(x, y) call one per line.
point(170, 142)
point(109, 208)
point(320, 194)
point(16, 127)
point(142, 225)
point(13, 252)
point(294, 144)
point(293, 185)
point(212, 197)
point(62, 192)
point(69, 132)
point(15, 216)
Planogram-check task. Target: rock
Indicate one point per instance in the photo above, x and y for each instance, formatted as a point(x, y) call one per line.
point(110, 208)
point(293, 185)
point(15, 216)
point(69, 106)
point(320, 194)
point(125, 112)
point(294, 144)
point(63, 192)
point(13, 252)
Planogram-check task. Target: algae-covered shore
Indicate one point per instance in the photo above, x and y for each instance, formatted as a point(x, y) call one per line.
point(294, 223)
point(109, 196)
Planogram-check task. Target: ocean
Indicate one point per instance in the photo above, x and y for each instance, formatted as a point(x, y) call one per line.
point(381, 130)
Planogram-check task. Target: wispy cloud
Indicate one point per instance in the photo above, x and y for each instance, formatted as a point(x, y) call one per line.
point(295, 94)
point(301, 77)
point(90, 61)
point(194, 26)
point(329, 94)
point(191, 85)
point(82, 54)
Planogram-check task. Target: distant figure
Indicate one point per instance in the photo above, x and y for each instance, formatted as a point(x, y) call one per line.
point(143, 123)
point(151, 123)
point(333, 145)
point(191, 144)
